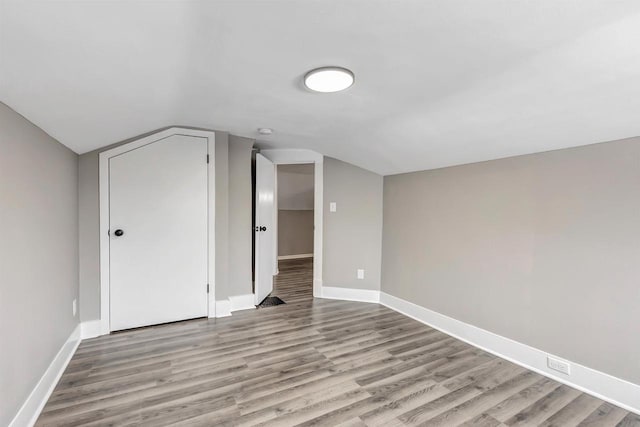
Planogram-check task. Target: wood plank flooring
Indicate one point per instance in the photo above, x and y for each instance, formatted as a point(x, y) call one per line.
point(308, 362)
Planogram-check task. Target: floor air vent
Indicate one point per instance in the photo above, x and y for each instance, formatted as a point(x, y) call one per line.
point(270, 302)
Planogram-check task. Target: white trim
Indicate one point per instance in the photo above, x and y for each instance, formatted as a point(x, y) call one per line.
point(211, 243)
point(603, 386)
point(275, 217)
point(318, 205)
point(242, 302)
point(350, 294)
point(317, 287)
point(297, 256)
point(31, 408)
point(104, 214)
point(90, 329)
point(292, 156)
point(223, 308)
point(295, 156)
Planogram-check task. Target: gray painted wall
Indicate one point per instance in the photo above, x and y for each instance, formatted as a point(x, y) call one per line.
point(352, 236)
point(543, 249)
point(89, 219)
point(38, 255)
point(233, 191)
point(222, 215)
point(295, 232)
point(295, 186)
point(240, 247)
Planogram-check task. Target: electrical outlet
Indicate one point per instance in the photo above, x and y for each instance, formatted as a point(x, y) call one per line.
point(74, 305)
point(360, 273)
point(333, 207)
point(559, 365)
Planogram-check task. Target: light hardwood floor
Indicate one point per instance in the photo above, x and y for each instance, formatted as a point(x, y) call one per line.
point(309, 362)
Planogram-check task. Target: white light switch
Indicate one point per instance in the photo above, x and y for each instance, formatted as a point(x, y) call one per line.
point(333, 207)
point(360, 273)
point(74, 307)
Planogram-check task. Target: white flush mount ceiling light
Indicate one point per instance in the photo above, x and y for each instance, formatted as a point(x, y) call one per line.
point(265, 131)
point(329, 79)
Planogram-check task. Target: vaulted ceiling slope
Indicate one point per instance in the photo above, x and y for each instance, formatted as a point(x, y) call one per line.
point(438, 82)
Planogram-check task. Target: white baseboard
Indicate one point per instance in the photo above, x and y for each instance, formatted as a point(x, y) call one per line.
point(297, 256)
point(603, 386)
point(242, 302)
point(350, 294)
point(317, 287)
point(90, 329)
point(31, 408)
point(223, 308)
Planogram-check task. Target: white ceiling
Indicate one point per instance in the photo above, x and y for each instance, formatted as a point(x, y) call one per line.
point(438, 82)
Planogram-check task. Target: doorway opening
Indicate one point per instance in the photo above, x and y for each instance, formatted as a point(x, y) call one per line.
point(295, 191)
point(288, 206)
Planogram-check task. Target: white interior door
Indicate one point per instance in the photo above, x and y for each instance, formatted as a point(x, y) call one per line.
point(158, 233)
point(265, 220)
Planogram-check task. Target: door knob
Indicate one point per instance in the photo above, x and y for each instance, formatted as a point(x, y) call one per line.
point(263, 228)
point(118, 232)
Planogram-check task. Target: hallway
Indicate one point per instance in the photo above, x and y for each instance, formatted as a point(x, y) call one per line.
point(295, 281)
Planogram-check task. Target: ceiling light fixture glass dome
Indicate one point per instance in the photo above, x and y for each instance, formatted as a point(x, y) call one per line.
point(329, 79)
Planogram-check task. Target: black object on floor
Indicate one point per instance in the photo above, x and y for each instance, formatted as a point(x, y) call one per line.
point(270, 302)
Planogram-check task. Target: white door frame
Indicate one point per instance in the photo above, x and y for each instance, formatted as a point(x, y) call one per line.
point(288, 157)
point(105, 327)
